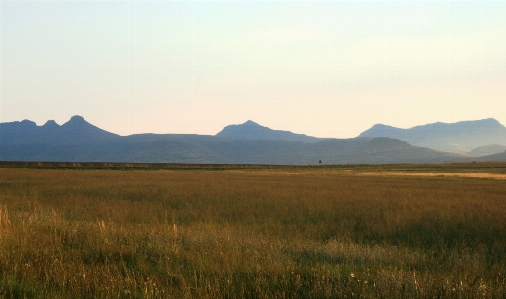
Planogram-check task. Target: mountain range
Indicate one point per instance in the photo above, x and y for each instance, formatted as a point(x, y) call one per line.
point(76, 130)
point(461, 137)
point(247, 143)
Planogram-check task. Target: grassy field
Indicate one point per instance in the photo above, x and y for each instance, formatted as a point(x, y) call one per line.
point(282, 232)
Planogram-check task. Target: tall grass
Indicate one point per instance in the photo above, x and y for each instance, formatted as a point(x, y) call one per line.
point(249, 234)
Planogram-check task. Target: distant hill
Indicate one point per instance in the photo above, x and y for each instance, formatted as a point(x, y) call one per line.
point(487, 150)
point(252, 130)
point(76, 130)
point(460, 137)
point(500, 157)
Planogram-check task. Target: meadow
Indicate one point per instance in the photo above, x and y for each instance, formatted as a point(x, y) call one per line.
point(260, 232)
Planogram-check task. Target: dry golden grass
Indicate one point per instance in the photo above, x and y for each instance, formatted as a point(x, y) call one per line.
point(279, 233)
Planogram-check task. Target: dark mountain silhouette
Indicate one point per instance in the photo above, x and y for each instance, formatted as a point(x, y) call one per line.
point(79, 141)
point(252, 130)
point(460, 137)
point(51, 124)
point(18, 132)
point(487, 150)
point(210, 149)
point(76, 130)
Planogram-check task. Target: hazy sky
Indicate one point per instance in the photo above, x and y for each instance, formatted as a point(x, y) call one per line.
point(322, 68)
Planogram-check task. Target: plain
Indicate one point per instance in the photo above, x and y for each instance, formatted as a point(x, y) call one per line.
point(260, 232)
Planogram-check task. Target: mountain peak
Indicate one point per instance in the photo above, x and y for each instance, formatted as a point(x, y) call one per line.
point(381, 126)
point(491, 121)
point(76, 121)
point(252, 130)
point(51, 124)
point(379, 130)
point(250, 123)
point(77, 118)
point(27, 122)
point(80, 129)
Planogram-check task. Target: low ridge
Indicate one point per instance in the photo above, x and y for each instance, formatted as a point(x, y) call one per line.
point(487, 150)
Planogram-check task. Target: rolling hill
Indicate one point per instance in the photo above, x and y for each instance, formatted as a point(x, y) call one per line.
point(487, 150)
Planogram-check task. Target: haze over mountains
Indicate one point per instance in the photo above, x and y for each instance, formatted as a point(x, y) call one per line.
point(249, 143)
point(461, 137)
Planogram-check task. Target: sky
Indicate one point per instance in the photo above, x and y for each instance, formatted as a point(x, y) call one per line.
point(320, 68)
